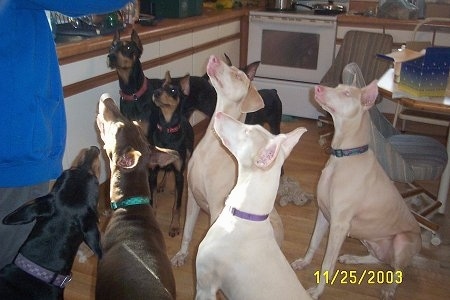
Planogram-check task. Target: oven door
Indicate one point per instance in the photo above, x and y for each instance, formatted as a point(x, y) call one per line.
point(291, 46)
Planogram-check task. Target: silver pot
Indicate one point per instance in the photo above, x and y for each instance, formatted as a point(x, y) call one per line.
point(325, 9)
point(280, 5)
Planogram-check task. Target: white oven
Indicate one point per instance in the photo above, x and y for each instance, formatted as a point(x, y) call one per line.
point(295, 51)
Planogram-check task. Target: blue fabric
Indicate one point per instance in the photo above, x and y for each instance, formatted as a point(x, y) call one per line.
point(33, 120)
point(426, 156)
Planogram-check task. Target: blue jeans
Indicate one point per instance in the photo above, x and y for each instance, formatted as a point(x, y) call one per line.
point(13, 236)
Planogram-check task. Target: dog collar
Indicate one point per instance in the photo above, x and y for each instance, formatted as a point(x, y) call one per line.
point(246, 216)
point(41, 273)
point(173, 129)
point(130, 202)
point(136, 95)
point(349, 152)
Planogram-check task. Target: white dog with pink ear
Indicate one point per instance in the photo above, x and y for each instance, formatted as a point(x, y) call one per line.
point(239, 255)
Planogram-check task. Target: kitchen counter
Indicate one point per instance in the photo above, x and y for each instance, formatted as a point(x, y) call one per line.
point(358, 20)
point(89, 47)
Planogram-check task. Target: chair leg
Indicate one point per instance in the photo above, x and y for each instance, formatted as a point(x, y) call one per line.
point(423, 205)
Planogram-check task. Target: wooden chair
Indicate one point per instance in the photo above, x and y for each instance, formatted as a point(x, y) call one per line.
point(360, 47)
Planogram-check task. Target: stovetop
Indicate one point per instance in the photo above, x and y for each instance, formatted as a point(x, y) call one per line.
point(305, 10)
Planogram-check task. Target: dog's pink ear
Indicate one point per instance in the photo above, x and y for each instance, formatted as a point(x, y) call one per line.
point(292, 139)
point(267, 154)
point(369, 94)
point(129, 160)
point(253, 101)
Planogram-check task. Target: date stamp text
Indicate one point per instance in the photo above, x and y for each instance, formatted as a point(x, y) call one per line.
point(359, 277)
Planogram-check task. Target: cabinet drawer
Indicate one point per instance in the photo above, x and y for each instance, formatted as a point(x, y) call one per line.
point(175, 44)
point(204, 36)
point(230, 28)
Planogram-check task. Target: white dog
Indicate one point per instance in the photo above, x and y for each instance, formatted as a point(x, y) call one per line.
point(355, 196)
point(239, 254)
point(211, 169)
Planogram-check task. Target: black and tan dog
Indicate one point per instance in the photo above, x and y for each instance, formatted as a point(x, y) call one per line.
point(136, 89)
point(64, 218)
point(135, 264)
point(173, 131)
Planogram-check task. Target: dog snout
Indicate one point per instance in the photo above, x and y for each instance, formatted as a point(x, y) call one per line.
point(213, 63)
point(157, 93)
point(112, 60)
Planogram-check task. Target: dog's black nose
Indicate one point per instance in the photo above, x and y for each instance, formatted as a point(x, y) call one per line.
point(157, 93)
point(112, 59)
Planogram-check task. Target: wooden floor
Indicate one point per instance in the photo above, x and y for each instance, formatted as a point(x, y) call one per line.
point(427, 278)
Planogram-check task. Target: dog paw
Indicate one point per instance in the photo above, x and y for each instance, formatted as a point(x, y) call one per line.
point(174, 231)
point(315, 292)
point(179, 259)
point(388, 292)
point(347, 259)
point(299, 264)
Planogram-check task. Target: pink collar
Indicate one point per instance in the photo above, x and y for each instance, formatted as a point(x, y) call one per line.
point(136, 95)
point(173, 129)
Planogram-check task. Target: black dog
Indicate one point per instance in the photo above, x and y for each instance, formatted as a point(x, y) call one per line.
point(135, 264)
point(173, 131)
point(198, 93)
point(64, 218)
point(273, 107)
point(136, 90)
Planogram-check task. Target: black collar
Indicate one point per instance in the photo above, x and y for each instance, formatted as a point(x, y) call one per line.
point(350, 151)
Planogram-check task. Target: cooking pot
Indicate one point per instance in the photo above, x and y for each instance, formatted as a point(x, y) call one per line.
point(280, 5)
point(325, 9)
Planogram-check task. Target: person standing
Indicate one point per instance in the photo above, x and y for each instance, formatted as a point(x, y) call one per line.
point(32, 114)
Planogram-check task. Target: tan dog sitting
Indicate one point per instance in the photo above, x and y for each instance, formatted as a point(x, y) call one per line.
point(355, 196)
point(239, 255)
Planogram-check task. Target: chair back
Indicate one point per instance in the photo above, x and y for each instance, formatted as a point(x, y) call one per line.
point(360, 47)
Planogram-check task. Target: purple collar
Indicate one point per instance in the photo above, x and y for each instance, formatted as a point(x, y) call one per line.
point(41, 273)
point(247, 216)
point(349, 152)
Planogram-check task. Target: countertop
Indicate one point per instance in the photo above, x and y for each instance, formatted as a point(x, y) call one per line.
point(89, 47)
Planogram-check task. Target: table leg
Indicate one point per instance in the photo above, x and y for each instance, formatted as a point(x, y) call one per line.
point(445, 180)
point(398, 109)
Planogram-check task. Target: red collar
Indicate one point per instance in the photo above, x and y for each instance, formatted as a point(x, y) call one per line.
point(136, 95)
point(169, 130)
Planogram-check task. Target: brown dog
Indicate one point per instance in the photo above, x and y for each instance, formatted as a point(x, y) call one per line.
point(356, 198)
point(134, 263)
point(211, 170)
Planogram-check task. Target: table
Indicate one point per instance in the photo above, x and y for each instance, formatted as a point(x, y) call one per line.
point(441, 105)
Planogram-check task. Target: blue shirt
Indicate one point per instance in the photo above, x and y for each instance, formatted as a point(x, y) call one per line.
point(32, 115)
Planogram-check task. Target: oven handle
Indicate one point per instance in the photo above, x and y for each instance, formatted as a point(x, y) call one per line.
point(293, 21)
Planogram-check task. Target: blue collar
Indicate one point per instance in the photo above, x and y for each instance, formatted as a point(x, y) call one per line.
point(130, 202)
point(349, 152)
point(246, 216)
